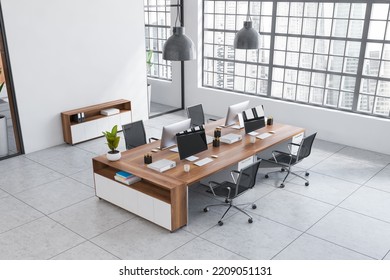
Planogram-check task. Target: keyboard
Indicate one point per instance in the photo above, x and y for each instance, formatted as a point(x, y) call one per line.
point(203, 161)
point(264, 135)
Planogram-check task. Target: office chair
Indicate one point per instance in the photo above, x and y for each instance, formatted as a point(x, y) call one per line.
point(135, 135)
point(245, 181)
point(287, 160)
point(195, 113)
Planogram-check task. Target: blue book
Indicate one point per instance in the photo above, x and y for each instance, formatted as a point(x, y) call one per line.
point(124, 174)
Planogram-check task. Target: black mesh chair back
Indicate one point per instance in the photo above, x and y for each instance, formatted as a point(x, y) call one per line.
point(247, 178)
point(195, 113)
point(305, 147)
point(134, 134)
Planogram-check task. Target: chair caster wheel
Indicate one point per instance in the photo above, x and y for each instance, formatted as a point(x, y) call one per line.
point(226, 201)
point(306, 184)
point(281, 186)
point(307, 174)
point(254, 206)
point(282, 170)
point(206, 209)
point(266, 176)
point(220, 223)
point(250, 220)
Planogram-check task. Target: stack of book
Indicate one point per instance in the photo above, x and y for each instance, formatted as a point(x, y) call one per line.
point(126, 178)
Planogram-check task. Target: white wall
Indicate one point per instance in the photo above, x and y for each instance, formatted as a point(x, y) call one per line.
point(168, 92)
point(346, 128)
point(67, 54)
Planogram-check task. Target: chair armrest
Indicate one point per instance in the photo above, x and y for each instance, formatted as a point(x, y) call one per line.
point(232, 174)
point(153, 138)
point(295, 144)
point(211, 183)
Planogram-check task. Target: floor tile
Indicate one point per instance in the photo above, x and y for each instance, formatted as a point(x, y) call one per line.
point(97, 146)
point(38, 240)
point(360, 233)
point(291, 209)
point(200, 249)
point(365, 156)
point(91, 217)
point(140, 239)
point(3, 194)
point(308, 247)
point(53, 152)
point(27, 177)
point(14, 162)
point(56, 195)
point(326, 146)
point(71, 162)
point(370, 202)
point(85, 251)
point(260, 240)
point(15, 213)
point(259, 190)
point(381, 181)
point(348, 169)
point(85, 177)
point(324, 188)
point(315, 158)
point(198, 220)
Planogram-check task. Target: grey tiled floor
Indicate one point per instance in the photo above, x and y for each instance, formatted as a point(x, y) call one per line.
point(48, 210)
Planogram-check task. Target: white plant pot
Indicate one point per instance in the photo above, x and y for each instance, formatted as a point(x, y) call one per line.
point(114, 157)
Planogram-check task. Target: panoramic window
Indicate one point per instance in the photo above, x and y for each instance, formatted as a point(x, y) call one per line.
point(329, 54)
point(157, 30)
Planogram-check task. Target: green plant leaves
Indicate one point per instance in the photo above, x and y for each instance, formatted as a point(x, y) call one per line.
point(112, 138)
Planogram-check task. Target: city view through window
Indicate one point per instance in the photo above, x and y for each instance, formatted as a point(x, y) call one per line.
point(330, 54)
point(157, 31)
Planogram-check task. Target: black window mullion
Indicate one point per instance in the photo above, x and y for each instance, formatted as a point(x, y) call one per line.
point(272, 48)
point(361, 56)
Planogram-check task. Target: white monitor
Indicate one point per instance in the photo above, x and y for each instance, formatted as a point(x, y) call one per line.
point(168, 137)
point(234, 110)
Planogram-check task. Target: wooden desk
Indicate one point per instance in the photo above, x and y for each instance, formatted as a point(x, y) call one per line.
point(162, 197)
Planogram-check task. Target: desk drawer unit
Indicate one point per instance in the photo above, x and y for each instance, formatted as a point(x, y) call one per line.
point(143, 205)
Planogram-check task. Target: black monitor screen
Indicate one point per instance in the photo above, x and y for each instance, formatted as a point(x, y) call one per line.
point(191, 142)
point(254, 124)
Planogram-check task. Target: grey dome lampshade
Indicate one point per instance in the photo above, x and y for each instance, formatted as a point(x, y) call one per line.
point(247, 38)
point(178, 47)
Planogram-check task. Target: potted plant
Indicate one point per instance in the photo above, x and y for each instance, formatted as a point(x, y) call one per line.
point(113, 142)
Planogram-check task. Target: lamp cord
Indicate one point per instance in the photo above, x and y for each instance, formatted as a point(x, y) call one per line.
point(248, 17)
point(177, 13)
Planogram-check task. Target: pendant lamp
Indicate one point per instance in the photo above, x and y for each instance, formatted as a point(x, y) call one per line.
point(247, 38)
point(178, 47)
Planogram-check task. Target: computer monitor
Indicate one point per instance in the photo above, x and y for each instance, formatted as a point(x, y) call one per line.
point(168, 137)
point(234, 110)
point(191, 142)
point(254, 119)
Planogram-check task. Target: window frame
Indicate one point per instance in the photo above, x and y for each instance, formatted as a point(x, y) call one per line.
point(353, 93)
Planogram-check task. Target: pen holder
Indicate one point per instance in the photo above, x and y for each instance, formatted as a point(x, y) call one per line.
point(148, 159)
point(217, 133)
point(216, 142)
point(270, 121)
